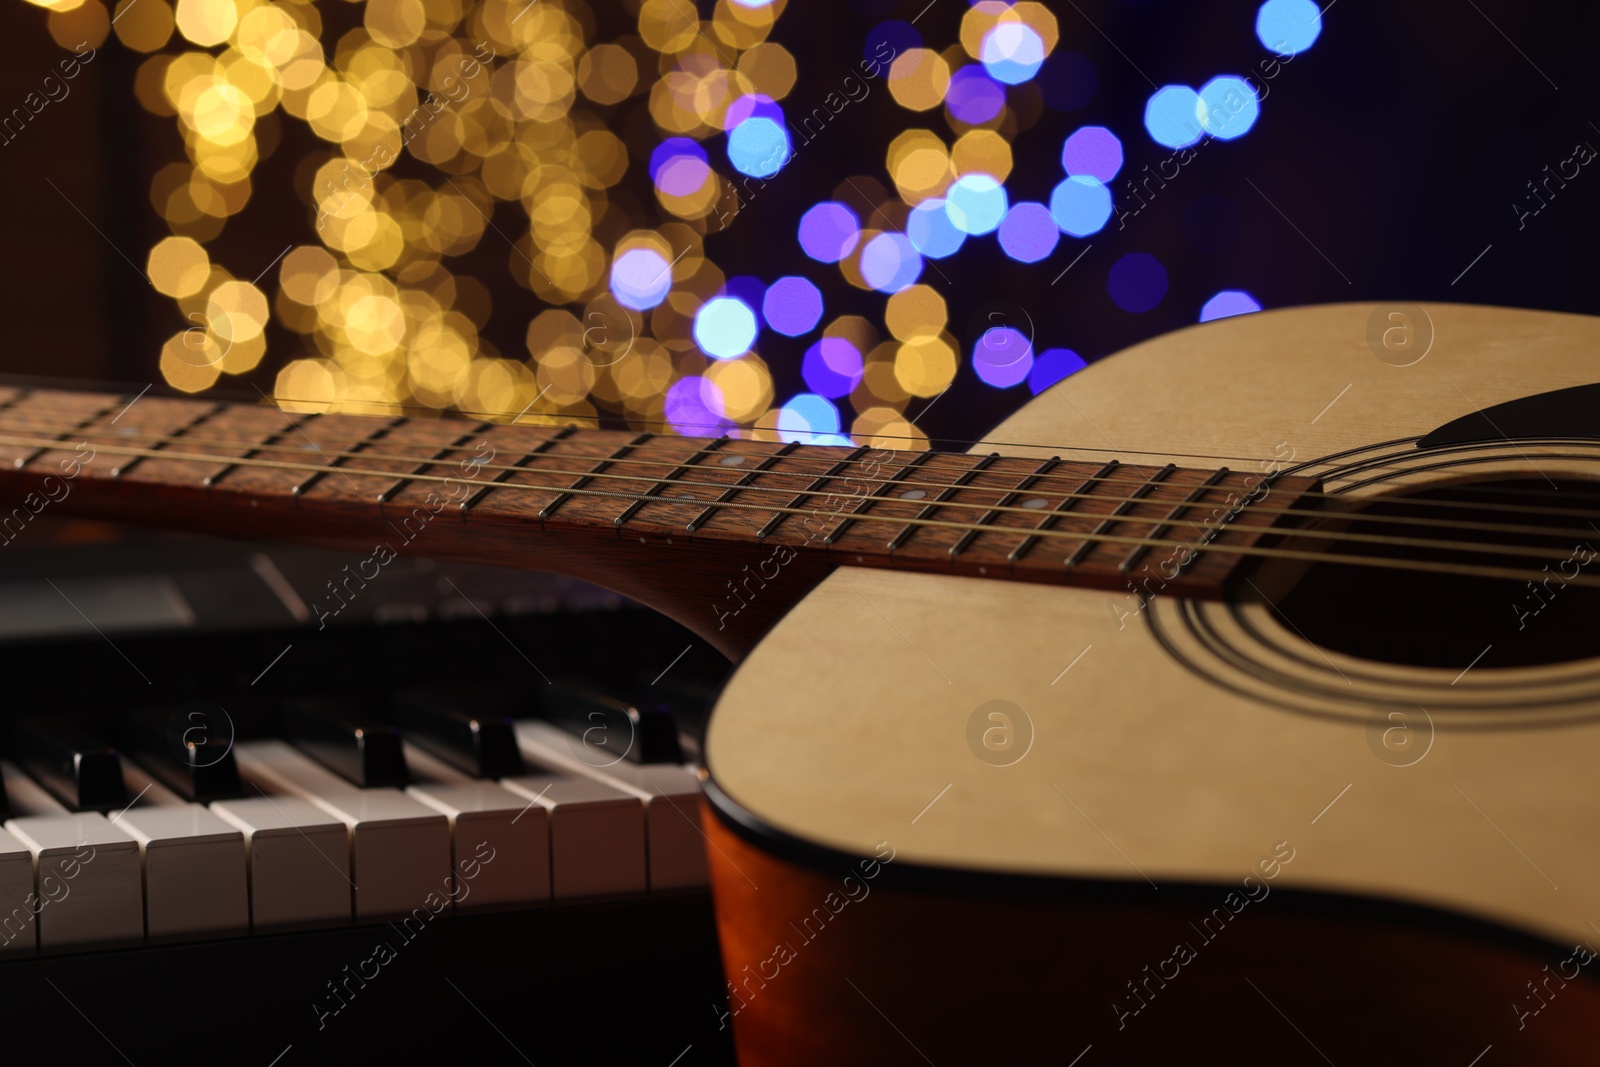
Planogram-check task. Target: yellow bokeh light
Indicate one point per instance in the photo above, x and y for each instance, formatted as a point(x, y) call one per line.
point(925, 365)
point(143, 25)
point(207, 23)
point(982, 152)
point(915, 311)
point(918, 79)
point(178, 267)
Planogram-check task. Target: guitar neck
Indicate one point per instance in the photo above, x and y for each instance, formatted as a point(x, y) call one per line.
point(730, 516)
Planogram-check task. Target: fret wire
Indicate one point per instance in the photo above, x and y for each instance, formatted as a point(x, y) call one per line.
point(1078, 554)
point(210, 480)
point(1212, 534)
point(767, 530)
point(1084, 490)
point(389, 494)
point(216, 409)
point(1307, 513)
point(678, 470)
point(877, 494)
point(1132, 559)
point(1003, 504)
point(732, 490)
point(376, 435)
point(22, 461)
point(1248, 550)
point(904, 535)
point(497, 481)
point(550, 508)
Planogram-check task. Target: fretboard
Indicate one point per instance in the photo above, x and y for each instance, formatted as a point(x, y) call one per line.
point(534, 495)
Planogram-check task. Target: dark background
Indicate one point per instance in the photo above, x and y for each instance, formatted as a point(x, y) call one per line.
point(1386, 158)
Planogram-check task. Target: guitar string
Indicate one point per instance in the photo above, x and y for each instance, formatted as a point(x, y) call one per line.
point(1037, 488)
point(434, 414)
point(1093, 537)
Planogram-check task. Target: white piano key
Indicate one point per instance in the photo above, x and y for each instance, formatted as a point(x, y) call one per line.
point(399, 847)
point(596, 835)
point(194, 873)
point(18, 935)
point(670, 793)
point(298, 860)
point(194, 865)
point(87, 876)
point(500, 843)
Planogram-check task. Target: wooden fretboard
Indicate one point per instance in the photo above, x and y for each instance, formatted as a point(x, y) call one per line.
point(551, 498)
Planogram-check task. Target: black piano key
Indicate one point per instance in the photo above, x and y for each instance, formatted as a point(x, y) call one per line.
point(469, 728)
point(690, 701)
point(189, 749)
point(353, 743)
point(77, 768)
point(638, 731)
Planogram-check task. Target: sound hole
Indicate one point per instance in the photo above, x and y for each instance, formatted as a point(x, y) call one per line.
point(1429, 619)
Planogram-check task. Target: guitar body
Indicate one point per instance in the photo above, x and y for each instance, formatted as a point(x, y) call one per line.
point(960, 820)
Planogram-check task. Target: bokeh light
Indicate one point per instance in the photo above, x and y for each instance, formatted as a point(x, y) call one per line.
point(1227, 303)
point(1137, 283)
point(1012, 53)
point(792, 306)
point(641, 278)
point(1080, 205)
point(890, 262)
point(758, 146)
point(725, 327)
point(973, 97)
point(975, 204)
point(1228, 107)
point(832, 367)
point(1003, 357)
point(829, 232)
point(694, 406)
point(1288, 26)
point(809, 419)
point(1093, 151)
point(931, 232)
point(1172, 116)
point(1029, 232)
point(1052, 365)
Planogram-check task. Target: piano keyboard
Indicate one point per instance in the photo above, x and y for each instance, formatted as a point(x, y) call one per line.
point(304, 846)
point(377, 775)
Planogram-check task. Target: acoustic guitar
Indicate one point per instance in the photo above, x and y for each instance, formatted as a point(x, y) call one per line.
point(1234, 701)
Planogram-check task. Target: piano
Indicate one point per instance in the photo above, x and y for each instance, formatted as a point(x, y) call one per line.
point(235, 831)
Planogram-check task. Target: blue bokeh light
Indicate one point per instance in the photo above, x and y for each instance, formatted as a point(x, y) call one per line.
point(809, 419)
point(1052, 365)
point(1029, 232)
point(829, 232)
point(897, 35)
point(758, 146)
point(832, 367)
point(1012, 52)
point(1137, 283)
point(1288, 27)
point(975, 203)
point(725, 327)
point(1227, 303)
point(930, 230)
point(753, 105)
point(641, 278)
point(973, 96)
point(1003, 357)
point(1228, 107)
point(1080, 205)
point(890, 262)
point(694, 406)
point(1173, 116)
point(792, 306)
point(1093, 151)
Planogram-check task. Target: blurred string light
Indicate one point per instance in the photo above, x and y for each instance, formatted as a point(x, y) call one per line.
point(444, 127)
point(1229, 302)
point(1288, 27)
